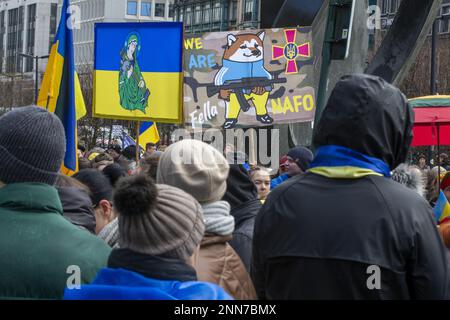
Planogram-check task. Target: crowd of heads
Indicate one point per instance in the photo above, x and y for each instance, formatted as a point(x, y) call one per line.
point(189, 214)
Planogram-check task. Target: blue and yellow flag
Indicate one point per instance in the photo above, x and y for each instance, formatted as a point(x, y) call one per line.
point(442, 209)
point(60, 91)
point(138, 71)
point(148, 133)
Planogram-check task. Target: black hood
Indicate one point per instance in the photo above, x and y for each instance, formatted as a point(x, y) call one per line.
point(240, 188)
point(77, 207)
point(368, 115)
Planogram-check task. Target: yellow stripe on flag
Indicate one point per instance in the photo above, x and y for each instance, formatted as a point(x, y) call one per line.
point(80, 107)
point(48, 94)
point(149, 136)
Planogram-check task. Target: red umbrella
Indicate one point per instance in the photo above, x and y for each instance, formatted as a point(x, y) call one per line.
point(432, 121)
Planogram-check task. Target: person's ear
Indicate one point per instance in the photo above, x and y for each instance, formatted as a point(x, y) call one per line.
point(106, 207)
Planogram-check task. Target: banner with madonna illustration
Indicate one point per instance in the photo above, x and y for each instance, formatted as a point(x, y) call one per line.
point(138, 71)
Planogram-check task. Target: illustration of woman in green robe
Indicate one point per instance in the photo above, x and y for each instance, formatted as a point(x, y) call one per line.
point(132, 87)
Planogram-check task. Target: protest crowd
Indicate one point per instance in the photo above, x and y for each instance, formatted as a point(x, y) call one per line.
point(219, 228)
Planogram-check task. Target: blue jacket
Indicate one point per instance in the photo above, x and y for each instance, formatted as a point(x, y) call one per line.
point(121, 284)
point(232, 70)
point(279, 180)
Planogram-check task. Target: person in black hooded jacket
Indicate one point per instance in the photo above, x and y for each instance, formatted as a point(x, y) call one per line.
point(76, 202)
point(242, 196)
point(344, 230)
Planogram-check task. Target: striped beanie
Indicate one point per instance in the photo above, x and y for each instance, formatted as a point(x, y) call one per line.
point(158, 220)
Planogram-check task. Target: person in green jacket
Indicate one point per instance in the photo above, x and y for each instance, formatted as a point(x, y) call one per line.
point(41, 253)
point(132, 87)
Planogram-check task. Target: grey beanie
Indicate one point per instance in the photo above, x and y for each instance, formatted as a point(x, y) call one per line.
point(195, 167)
point(164, 220)
point(32, 146)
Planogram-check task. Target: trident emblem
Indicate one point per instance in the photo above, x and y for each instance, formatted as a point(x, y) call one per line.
point(291, 51)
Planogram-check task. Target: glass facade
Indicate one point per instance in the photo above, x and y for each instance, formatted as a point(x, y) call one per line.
point(132, 8)
point(53, 26)
point(248, 10)
point(20, 34)
point(217, 15)
point(146, 9)
point(2, 38)
point(31, 34)
point(11, 47)
point(160, 9)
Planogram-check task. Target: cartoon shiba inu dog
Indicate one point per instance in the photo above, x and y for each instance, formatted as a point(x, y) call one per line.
point(243, 62)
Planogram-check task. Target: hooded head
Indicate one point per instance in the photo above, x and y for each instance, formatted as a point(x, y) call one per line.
point(240, 188)
point(368, 115)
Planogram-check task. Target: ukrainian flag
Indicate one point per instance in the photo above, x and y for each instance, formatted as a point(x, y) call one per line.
point(148, 133)
point(442, 209)
point(60, 91)
point(138, 71)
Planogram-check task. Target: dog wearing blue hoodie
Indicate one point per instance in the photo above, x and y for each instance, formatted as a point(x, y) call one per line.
point(244, 58)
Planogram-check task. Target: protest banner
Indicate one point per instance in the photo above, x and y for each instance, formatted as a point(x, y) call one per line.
point(138, 71)
point(249, 78)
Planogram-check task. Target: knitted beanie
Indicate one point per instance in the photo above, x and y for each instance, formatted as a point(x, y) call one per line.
point(32, 146)
point(302, 156)
point(158, 220)
point(195, 167)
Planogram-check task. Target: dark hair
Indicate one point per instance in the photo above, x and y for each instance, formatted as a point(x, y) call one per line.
point(116, 148)
point(150, 144)
point(130, 152)
point(98, 184)
point(82, 148)
point(65, 181)
point(103, 157)
point(422, 156)
point(84, 163)
point(150, 164)
point(135, 195)
point(114, 172)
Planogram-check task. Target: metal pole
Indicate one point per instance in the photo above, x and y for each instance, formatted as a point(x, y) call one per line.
point(439, 153)
point(138, 124)
point(433, 89)
point(36, 83)
point(325, 66)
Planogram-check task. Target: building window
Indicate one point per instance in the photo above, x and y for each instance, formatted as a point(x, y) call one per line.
point(146, 9)
point(159, 9)
point(233, 10)
point(2, 36)
point(181, 15)
point(171, 13)
point(132, 8)
point(20, 33)
point(393, 6)
point(53, 17)
point(248, 10)
point(11, 48)
point(188, 16)
point(198, 14)
point(31, 34)
point(384, 6)
point(207, 13)
point(216, 11)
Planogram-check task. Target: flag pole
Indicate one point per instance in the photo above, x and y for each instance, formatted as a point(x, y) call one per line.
point(138, 124)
